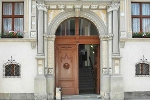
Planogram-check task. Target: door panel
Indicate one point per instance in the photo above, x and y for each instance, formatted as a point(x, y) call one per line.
point(97, 69)
point(66, 58)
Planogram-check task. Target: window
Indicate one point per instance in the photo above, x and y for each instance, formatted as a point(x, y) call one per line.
point(11, 69)
point(69, 28)
point(142, 69)
point(12, 15)
point(141, 18)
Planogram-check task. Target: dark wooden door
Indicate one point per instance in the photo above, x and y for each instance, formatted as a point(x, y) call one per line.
point(66, 68)
point(97, 69)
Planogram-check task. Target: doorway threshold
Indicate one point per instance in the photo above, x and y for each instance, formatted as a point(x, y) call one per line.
point(81, 97)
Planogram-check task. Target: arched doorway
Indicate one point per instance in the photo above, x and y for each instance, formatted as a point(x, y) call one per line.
point(77, 50)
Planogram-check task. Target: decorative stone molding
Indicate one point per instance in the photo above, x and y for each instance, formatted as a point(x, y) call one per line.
point(123, 34)
point(51, 60)
point(122, 44)
point(85, 14)
point(77, 6)
point(42, 6)
point(69, 6)
point(104, 54)
point(33, 45)
point(116, 66)
point(94, 6)
point(40, 63)
point(113, 6)
point(83, 5)
point(61, 6)
point(102, 14)
point(106, 37)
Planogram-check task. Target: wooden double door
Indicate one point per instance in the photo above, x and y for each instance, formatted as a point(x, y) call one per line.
point(67, 61)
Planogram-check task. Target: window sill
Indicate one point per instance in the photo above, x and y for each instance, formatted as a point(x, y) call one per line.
point(18, 40)
point(142, 75)
point(11, 76)
point(12, 37)
point(135, 39)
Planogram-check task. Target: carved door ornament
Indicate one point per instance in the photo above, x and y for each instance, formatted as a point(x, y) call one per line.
point(66, 66)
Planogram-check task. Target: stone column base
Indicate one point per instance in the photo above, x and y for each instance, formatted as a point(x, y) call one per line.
point(116, 92)
point(50, 81)
point(117, 96)
point(40, 96)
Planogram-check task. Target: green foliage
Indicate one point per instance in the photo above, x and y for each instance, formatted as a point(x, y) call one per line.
point(141, 35)
point(12, 34)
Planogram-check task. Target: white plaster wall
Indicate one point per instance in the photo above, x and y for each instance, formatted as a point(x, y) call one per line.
point(131, 54)
point(22, 53)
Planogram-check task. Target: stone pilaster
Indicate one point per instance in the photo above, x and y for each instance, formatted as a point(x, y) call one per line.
point(104, 74)
point(40, 80)
point(50, 77)
point(116, 80)
point(33, 21)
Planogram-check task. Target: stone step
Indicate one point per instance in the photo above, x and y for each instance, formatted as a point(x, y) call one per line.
point(81, 97)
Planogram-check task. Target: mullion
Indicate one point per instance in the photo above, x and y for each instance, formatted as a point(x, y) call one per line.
point(141, 17)
point(13, 6)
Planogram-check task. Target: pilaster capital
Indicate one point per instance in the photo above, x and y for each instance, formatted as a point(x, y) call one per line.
point(51, 37)
point(113, 6)
point(106, 37)
point(42, 6)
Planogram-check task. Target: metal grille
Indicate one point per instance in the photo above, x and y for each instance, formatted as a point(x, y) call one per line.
point(142, 69)
point(11, 69)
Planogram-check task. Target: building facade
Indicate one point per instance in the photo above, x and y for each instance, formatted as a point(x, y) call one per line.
point(41, 42)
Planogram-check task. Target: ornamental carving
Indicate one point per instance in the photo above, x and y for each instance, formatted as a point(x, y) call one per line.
point(113, 6)
point(66, 66)
point(42, 6)
point(66, 57)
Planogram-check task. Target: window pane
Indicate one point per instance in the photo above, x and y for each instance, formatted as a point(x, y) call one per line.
point(138, 69)
point(136, 24)
point(145, 9)
point(16, 70)
point(7, 8)
point(135, 8)
point(18, 24)
point(7, 24)
point(9, 70)
point(146, 24)
point(145, 69)
point(87, 28)
point(67, 28)
point(18, 9)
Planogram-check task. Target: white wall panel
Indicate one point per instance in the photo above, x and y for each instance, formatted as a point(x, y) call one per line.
point(131, 54)
point(22, 53)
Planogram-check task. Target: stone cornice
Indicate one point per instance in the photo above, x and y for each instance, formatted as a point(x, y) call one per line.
point(83, 5)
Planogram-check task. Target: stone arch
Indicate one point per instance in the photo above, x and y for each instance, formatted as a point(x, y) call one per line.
point(85, 14)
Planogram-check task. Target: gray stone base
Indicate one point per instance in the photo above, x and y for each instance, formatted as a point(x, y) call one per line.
point(145, 95)
point(117, 96)
point(40, 96)
point(50, 96)
point(17, 96)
